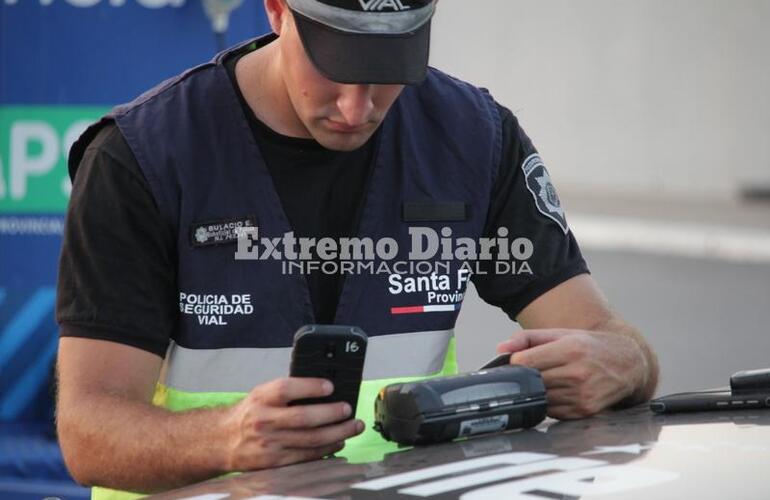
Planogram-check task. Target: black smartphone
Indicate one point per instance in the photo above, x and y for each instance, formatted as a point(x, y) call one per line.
point(710, 401)
point(333, 352)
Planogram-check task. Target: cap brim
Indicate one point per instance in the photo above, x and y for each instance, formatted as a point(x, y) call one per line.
point(365, 58)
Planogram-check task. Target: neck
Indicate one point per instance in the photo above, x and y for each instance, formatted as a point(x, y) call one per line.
point(260, 79)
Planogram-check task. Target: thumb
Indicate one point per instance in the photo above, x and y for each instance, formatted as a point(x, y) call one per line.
point(526, 339)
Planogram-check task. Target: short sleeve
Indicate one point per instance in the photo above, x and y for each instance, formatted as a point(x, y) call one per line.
point(525, 207)
point(117, 270)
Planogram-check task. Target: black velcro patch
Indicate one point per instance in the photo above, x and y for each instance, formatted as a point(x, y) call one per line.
point(219, 232)
point(434, 211)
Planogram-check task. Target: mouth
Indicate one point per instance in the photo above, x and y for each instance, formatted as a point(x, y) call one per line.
point(344, 128)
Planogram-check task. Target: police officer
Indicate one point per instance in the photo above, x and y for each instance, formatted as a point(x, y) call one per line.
point(173, 353)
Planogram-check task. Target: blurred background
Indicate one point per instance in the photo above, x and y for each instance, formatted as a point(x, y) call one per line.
point(653, 117)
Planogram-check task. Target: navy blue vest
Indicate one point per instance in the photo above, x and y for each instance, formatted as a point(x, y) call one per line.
point(439, 143)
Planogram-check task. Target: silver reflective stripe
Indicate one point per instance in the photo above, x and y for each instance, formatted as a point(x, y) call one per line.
point(371, 23)
point(406, 354)
point(240, 369)
point(224, 370)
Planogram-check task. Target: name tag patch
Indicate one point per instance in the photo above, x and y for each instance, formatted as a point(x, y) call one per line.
point(218, 232)
point(434, 211)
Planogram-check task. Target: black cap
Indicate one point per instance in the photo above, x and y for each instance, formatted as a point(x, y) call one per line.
point(366, 41)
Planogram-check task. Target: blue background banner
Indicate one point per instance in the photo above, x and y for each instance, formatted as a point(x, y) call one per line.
point(62, 64)
point(105, 52)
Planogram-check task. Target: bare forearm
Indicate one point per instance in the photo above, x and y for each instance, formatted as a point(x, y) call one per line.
point(648, 382)
point(112, 441)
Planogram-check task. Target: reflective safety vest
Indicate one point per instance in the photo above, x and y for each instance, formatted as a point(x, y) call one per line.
point(434, 167)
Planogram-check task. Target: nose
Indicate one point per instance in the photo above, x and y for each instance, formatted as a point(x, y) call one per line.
point(355, 103)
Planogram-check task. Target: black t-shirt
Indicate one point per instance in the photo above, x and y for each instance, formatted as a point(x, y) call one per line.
point(321, 192)
point(117, 271)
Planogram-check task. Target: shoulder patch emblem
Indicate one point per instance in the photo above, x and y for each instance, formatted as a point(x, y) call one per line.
point(539, 184)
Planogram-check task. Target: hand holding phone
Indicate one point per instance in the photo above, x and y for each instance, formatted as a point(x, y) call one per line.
point(263, 432)
point(332, 352)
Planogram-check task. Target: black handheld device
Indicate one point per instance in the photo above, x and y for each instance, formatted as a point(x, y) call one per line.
point(750, 381)
point(442, 409)
point(333, 352)
point(499, 360)
point(718, 399)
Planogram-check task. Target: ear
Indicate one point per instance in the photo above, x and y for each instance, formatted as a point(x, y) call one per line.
point(276, 11)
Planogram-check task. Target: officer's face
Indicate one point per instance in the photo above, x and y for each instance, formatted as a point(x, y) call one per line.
point(339, 116)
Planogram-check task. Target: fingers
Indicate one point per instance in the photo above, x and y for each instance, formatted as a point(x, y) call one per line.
point(517, 343)
point(569, 412)
point(542, 357)
point(526, 339)
point(316, 444)
point(315, 415)
point(272, 418)
point(321, 436)
point(570, 376)
point(573, 403)
point(283, 390)
point(562, 397)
